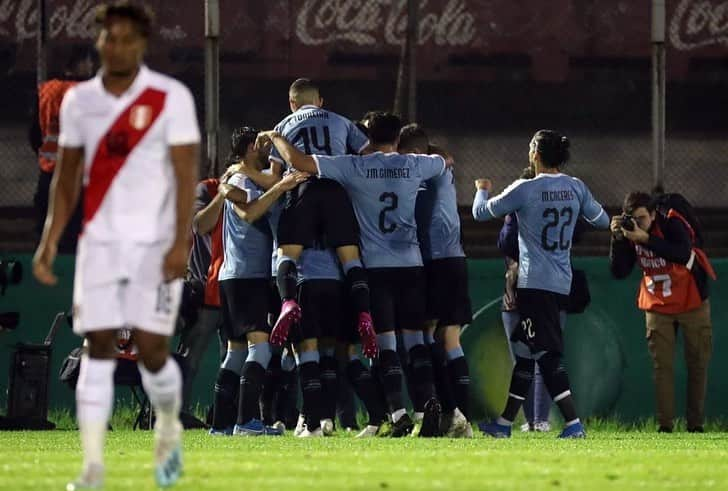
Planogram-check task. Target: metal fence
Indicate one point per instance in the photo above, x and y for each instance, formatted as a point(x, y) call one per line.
point(482, 76)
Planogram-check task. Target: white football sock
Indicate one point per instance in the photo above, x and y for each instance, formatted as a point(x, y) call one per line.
point(94, 400)
point(164, 389)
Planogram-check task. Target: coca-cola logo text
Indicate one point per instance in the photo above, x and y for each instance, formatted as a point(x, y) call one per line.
point(72, 20)
point(696, 24)
point(371, 22)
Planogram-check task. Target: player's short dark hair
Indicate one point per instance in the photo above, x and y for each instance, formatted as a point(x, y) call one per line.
point(413, 136)
point(239, 141)
point(141, 16)
point(384, 128)
point(638, 199)
point(366, 120)
point(553, 147)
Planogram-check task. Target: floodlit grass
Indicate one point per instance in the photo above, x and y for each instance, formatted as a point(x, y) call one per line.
point(608, 459)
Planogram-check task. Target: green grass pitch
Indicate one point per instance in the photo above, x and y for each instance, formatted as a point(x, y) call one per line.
point(609, 460)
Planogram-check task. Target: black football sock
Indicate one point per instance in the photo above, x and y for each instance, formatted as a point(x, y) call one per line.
point(226, 390)
point(251, 385)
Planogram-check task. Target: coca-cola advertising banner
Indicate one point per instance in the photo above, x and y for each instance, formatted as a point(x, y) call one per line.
point(457, 39)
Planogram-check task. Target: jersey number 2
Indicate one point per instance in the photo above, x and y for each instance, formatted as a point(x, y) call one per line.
point(391, 200)
point(554, 216)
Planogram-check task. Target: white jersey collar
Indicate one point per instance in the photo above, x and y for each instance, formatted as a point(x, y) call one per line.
point(139, 80)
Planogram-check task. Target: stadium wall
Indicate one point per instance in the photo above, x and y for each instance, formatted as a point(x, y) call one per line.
point(606, 349)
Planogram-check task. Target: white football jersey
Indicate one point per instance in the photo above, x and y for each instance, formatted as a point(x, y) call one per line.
point(129, 182)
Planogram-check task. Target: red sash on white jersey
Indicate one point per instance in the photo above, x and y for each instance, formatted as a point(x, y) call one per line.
point(116, 145)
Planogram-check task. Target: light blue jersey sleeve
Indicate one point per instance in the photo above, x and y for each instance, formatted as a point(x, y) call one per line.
point(591, 210)
point(355, 139)
point(510, 200)
point(341, 168)
point(244, 183)
point(430, 165)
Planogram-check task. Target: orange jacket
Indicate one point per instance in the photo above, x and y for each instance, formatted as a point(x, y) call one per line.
point(50, 96)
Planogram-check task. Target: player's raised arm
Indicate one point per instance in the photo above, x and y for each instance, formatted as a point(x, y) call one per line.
point(64, 192)
point(266, 180)
point(256, 204)
point(486, 208)
point(299, 160)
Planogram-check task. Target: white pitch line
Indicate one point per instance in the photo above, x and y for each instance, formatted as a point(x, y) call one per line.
point(480, 311)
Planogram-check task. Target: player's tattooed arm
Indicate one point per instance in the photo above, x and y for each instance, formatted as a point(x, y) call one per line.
point(299, 160)
point(64, 193)
point(256, 208)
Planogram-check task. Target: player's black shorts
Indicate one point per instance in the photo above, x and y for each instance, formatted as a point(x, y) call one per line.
point(244, 304)
point(448, 299)
point(274, 300)
point(540, 326)
point(324, 307)
point(397, 298)
point(321, 214)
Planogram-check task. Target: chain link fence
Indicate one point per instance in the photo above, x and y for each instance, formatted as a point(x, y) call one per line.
point(488, 73)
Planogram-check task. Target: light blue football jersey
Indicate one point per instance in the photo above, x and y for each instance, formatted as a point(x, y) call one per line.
point(547, 208)
point(316, 131)
point(247, 246)
point(383, 190)
point(438, 220)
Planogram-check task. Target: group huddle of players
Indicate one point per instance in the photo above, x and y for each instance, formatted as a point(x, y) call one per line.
point(363, 224)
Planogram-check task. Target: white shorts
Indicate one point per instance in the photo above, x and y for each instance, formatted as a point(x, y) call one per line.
point(121, 285)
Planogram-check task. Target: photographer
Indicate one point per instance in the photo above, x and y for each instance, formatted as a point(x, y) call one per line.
point(673, 292)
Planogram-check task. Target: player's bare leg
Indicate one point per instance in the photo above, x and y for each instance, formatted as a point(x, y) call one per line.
point(287, 281)
point(356, 279)
point(94, 402)
point(162, 380)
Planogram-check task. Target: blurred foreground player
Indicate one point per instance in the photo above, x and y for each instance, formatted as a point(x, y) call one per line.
point(131, 136)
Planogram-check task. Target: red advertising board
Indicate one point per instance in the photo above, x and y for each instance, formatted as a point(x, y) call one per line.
point(344, 39)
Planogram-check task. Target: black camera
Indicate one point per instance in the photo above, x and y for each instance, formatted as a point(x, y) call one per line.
point(627, 222)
